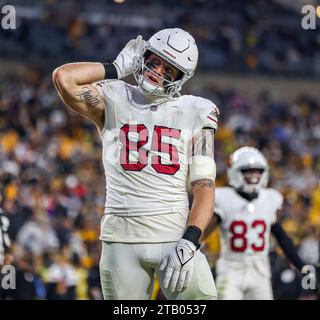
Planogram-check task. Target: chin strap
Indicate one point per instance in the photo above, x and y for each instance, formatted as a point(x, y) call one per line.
point(156, 100)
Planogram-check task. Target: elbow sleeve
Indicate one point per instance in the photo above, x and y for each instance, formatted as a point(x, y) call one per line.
point(202, 167)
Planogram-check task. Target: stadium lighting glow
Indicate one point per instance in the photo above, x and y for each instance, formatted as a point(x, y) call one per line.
point(119, 1)
point(318, 11)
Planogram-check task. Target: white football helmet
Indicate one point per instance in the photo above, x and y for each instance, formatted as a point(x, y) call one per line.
point(177, 47)
point(247, 158)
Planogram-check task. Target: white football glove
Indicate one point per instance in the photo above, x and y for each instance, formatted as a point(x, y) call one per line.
point(124, 60)
point(178, 266)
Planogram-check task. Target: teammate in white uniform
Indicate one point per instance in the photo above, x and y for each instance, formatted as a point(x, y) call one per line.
point(247, 213)
point(153, 140)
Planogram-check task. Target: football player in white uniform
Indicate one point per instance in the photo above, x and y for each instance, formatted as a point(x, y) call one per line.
point(247, 212)
point(153, 139)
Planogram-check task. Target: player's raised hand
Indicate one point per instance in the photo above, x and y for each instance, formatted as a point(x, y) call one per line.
point(124, 61)
point(178, 266)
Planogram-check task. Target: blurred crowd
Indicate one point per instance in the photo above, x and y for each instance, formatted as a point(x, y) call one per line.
point(53, 186)
point(52, 190)
point(237, 35)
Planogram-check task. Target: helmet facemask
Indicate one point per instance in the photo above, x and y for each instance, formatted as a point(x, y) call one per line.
point(252, 182)
point(168, 88)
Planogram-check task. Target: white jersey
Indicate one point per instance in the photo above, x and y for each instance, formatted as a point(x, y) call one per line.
point(145, 157)
point(245, 225)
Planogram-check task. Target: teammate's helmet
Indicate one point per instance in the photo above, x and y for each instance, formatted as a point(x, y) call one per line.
point(177, 47)
point(243, 159)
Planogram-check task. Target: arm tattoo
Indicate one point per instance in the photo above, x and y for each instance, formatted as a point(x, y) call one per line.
point(202, 183)
point(86, 95)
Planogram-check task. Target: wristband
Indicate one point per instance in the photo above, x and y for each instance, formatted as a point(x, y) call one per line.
point(193, 234)
point(110, 71)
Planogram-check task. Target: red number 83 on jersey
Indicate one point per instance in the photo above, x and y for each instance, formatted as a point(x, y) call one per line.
point(239, 231)
point(157, 145)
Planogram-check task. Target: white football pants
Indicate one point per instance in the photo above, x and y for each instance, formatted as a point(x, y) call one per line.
point(127, 272)
point(244, 284)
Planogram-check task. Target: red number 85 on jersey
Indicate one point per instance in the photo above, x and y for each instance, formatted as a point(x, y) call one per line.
point(157, 145)
point(239, 231)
